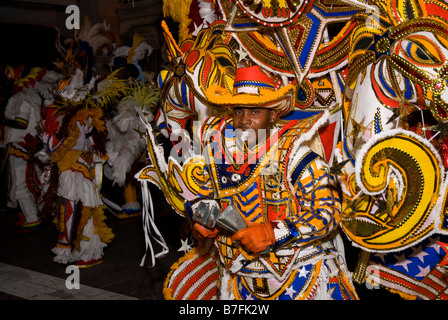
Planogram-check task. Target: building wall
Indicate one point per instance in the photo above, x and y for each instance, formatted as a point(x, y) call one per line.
point(32, 21)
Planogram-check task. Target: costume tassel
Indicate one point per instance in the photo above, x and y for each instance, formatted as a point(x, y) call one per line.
point(149, 228)
point(361, 266)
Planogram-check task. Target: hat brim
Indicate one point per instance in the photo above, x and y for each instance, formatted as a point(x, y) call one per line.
point(281, 100)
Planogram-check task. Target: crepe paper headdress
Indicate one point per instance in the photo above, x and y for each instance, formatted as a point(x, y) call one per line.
point(254, 88)
point(24, 77)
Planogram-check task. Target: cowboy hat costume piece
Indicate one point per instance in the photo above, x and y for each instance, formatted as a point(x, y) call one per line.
point(254, 88)
point(287, 247)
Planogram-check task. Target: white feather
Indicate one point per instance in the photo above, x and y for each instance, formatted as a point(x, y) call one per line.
point(125, 142)
point(206, 11)
point(142, 51)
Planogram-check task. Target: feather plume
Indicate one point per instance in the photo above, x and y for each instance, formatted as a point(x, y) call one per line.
point(121, 51)
point(127, 139)
point(107, 92)
point(145, 96)
point(139, 50)
point(206, 11)
point(44, 87)
point(179, 10)
point(97, 36)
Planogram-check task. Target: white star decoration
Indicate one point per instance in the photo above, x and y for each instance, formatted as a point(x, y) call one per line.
point(380, 255)
point(434, 244)
point(402, 261)
point(423, 271)
point(241, 54)
point(419, 253)
point(185, 246)
point(330, 293)
point(197, 29)
point(303, 272)
point(290, 291)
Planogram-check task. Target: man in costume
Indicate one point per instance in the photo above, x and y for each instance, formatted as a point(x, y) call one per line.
point(74, 142)
point(74, 134)
point(125, 143)
point(22, 116)
point(261, 169)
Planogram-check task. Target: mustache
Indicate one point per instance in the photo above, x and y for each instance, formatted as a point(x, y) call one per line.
point(245, 134)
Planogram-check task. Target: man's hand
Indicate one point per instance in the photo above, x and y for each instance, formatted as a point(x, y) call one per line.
point(256, 237)
point(204, 233)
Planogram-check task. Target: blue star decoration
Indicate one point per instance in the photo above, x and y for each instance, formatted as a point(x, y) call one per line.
point(381, 44)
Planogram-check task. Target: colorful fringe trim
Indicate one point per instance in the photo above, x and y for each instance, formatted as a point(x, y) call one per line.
point(97, 214)
point(194, 277)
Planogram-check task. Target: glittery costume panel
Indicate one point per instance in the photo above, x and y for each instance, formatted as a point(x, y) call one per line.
point(394, 146)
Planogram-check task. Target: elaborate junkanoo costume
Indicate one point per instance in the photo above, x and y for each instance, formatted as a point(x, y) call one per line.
point(74, 135)
point(23, 114)
point(126, 140)
point(380, 85)
point(200, 82)
point(281, 187)
point(393, 150)
point(80, 211)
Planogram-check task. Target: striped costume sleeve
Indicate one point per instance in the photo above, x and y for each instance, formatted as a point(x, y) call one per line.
point(18, 123)
point(320, 206)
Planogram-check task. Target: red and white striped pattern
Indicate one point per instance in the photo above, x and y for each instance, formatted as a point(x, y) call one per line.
point(193, 277)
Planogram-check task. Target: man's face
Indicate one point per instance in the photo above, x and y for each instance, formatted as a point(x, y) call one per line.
point(254, 123)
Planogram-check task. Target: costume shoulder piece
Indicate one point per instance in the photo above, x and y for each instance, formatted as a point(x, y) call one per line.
point(306, 131)
point(306, 127)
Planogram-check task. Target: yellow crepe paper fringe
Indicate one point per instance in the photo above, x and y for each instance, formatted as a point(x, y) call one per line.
point(68, 160)
point(97, 214)
point(405, 296)
point(179, 10)
point(62, 155)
